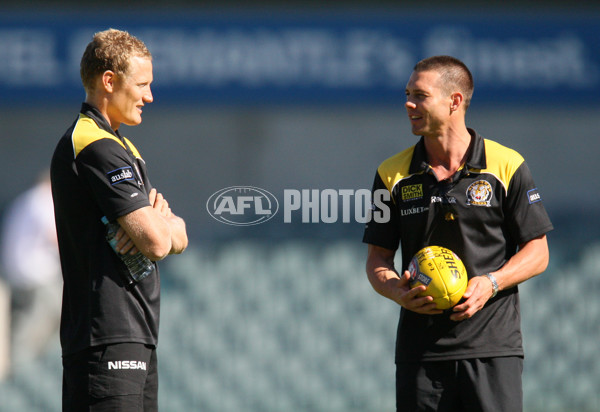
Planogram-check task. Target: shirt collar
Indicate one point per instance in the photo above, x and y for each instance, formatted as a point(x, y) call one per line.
point(93, 113)
point(475, 160)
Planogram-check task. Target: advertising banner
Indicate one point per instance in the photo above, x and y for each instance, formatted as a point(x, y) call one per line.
point(310, 57)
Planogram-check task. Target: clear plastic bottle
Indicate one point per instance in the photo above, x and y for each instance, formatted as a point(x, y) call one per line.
point(138, 265)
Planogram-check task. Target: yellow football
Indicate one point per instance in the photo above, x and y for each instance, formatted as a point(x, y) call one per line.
point(442, 272)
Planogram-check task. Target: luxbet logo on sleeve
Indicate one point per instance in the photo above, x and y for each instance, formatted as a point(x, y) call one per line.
point(242, 205)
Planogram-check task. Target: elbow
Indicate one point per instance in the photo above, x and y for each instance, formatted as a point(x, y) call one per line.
point(370, 270)
point(544, 262)
point(158, 248)
point(157, 254)
point(179, 238)
point(182, 246)
point(544, 254)
point(537, 255)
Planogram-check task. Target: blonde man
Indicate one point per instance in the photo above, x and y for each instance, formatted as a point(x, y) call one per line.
point(109, 325)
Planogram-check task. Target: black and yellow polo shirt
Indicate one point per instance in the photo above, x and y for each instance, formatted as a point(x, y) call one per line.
point(96, 172)
point(483, 214)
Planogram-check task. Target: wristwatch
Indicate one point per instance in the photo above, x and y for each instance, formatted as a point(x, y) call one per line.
point(494, 283)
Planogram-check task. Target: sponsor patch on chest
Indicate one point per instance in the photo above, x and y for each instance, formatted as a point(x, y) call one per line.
point(412, 192)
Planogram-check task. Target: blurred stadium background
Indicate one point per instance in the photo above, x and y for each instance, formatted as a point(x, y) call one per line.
point(280, 316)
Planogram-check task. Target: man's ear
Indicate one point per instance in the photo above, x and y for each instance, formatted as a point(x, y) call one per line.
point(108, 81)
point(457, 100)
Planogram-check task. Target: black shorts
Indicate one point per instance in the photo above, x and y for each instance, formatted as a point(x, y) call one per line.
point(469, 385)
point(116, 377)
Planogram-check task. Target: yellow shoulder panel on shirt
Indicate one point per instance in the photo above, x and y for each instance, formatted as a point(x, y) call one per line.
point(86, 132)
point(395, 168)
point(502, 162)
point(133, 148)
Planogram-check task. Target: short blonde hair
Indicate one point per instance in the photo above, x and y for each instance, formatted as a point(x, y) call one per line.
point(110, 50)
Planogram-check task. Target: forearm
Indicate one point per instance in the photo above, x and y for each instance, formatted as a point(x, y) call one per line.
point(147, 232)
point(531, 260)
point(382, 274)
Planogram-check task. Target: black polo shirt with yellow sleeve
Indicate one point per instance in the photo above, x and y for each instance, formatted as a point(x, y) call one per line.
point(483, 214)
point(96, 172)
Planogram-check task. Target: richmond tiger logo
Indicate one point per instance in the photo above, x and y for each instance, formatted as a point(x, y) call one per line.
point(479, 193)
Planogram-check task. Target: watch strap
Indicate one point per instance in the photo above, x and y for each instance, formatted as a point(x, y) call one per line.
point(492, 279)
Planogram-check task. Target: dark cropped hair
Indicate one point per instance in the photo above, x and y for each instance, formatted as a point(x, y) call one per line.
point(109, 50)
point(454, 74)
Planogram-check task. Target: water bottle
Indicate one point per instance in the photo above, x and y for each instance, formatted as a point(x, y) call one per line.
point(138, 265)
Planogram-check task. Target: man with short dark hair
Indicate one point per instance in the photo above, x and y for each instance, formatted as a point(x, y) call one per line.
point(478, 199)
point(109, 325)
